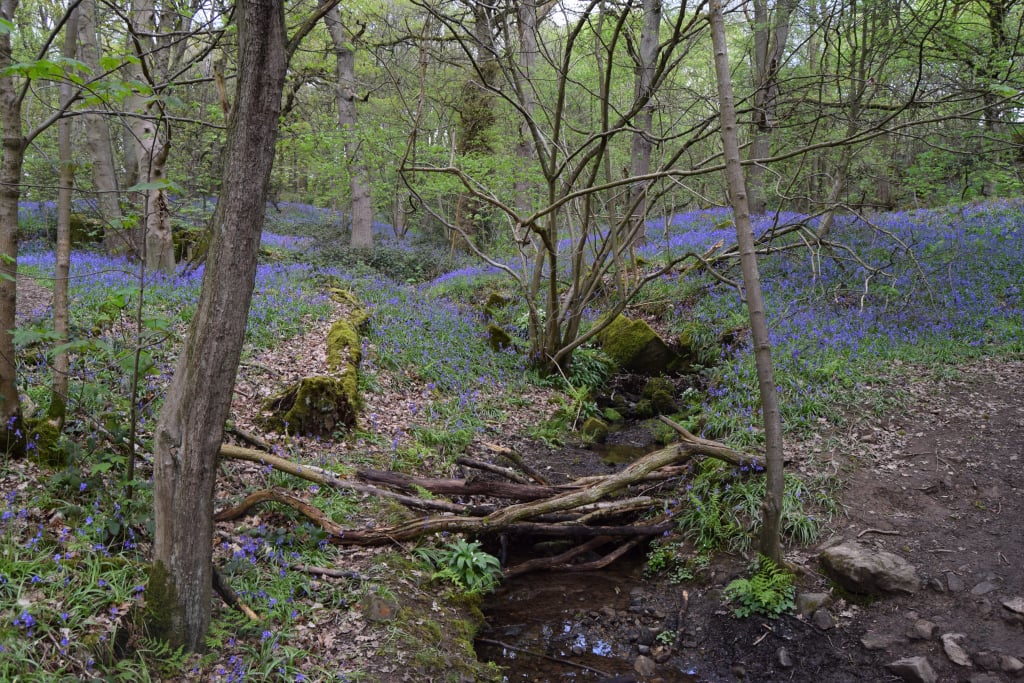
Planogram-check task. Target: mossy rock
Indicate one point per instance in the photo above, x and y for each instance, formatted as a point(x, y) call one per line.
point(189, 243)
point(595, 429)
point(316, 406)
point(43, 443)
point(85, 230)
point(612, 415)
point(637, 348)
point(497, 338)
point(659, 391)
point(495, 301)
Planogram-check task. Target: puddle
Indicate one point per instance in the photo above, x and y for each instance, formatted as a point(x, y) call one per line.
point(558, 627)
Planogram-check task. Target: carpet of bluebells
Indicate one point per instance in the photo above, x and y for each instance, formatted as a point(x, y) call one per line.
point(929, 286)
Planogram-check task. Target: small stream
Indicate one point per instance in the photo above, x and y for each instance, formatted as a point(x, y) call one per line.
point(587, 626)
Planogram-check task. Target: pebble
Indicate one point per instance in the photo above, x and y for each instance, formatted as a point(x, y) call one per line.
point(954, 582)
point(879, 641)
point(808, 603)
point(1010, 664)
point(922, 630)
point(644, 666)
point(785, 659)
point(988, 661)
point(983, 588)
point(1015, 605)
point(823, 620)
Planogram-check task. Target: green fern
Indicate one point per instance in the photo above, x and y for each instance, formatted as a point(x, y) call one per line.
point(769, 591)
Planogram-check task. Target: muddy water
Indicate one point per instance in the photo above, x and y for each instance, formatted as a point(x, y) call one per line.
point(557, 627)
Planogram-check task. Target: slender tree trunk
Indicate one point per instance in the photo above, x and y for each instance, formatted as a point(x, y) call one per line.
point(771, 506)
point(98, 142)
point(526, 20)
point(14, 145)
point(191, 423)
point(641, 156)
point(771, 31)
point(62, 253)
point(359, 180)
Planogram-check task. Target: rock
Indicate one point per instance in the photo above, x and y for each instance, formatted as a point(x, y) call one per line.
point(644, 666)
point(954, 583)
point(922, 630)
point(1010, 664)
point(595, 429)
point(823, 619)
point(863, 570)
point(635, 347)
point(808, 603)
point(1015, 605)
point(936, 585)
point(984, 678)
point(879, 641)
point(738, 670)
point(913, 670)
point(983, 588)
point(989, 661)
point(957, 654)
point(784, 658)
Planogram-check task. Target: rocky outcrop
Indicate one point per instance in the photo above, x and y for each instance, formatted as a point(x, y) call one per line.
point(867, 571)
point(635, 347)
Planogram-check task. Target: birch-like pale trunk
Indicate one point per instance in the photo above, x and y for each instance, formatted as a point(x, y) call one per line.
point(650, 39)
point(771, 505)
point(359, 178)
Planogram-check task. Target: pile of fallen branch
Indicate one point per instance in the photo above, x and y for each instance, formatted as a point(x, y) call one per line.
point(579, 510)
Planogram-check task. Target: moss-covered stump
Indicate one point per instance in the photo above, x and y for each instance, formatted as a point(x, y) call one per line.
point(316, 406)
point(635, 347)
point(43, 443)
point(497, 338)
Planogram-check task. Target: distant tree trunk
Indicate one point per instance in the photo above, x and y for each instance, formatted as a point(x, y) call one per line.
point(98, 142)
point(641, 155)
point(191, 424)
point(771, 31)
point(526, 19)
point(771, 506)
point(359, 179)
point(14, 144)
point(62, 252)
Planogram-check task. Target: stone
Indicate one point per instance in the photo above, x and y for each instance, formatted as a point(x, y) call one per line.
point(879, 641)
point(922, 630)
point(1010, 664)
point(594, 429)
point(823, 620)
point(954, 651)
point(637, 348)
point(808, 603)
point(644, 666)
point(863, 570)
point(936, 585)
point(913, 670)
point(954, 583)
point(1015, 605)
point(989, 661)
point(984, 678)
point(983, 588)
point(784, 658)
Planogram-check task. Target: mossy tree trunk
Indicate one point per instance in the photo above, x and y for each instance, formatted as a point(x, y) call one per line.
point(771, 506)
point(191, 424)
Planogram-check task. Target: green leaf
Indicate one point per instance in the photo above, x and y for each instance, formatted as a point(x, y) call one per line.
point(6, 27)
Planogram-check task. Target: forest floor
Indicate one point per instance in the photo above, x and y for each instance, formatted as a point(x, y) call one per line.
point(936, 482)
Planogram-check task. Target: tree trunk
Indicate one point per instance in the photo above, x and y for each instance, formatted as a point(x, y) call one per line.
point(62, 252)
point(191, 424)
point(98, 142)
point(526, 19)
point(641, 155)
point(771, 506)
point(770, 36)
point(359, 181)
point(14, 145)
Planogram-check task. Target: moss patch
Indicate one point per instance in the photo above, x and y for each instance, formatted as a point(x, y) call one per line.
point(317, 406)
point(635, 347)
point(497, 338)
point(595, 429)
point(43, 443)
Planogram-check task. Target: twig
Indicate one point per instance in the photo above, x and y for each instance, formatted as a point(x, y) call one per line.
point(517, 460)
point(541, 655)
point(493, 469)
point(878, 531)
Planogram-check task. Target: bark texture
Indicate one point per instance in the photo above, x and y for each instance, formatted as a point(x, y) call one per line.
point(191, 424)
point(771, 506)
point(14, 144)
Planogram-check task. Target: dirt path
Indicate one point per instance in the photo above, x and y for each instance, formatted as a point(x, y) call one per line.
point(941, 485)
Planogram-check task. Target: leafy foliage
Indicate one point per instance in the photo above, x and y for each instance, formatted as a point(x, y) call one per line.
point(769, 591)
point(465, 565)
